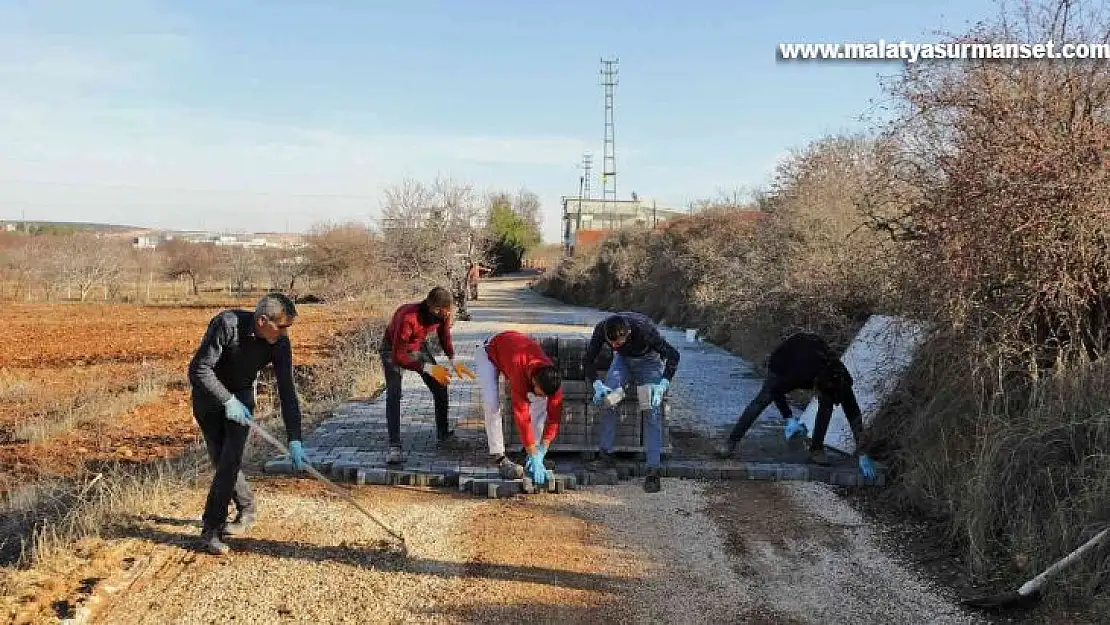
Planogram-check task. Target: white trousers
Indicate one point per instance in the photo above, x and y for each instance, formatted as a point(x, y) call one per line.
point(491, 404)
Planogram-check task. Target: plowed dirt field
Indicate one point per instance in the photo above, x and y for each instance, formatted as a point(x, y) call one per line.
point(81, 385)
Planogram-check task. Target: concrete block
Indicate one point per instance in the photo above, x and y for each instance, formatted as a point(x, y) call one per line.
point(278, 466)
point(480, 487)
point(707, 473)
point(343, 471)
point(760, 471)
point(798, 472)
point(570, 481)
point(682, 470)
point(550, 479)
point(818, 473)
point(503, 488)
point(845, 478)
point(377, 476)
point(736, 472)
point(527, 486)
point(360, 476)
point(608, 477)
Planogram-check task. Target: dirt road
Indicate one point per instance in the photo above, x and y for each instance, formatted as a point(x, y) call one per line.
point(696, 553)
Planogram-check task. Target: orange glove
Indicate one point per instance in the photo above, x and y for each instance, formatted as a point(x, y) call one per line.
point(439, 372)
point(463, 371)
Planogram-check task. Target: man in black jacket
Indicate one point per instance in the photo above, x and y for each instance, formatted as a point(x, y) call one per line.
point(805, 361)
point(223, 373)
point(642, 356)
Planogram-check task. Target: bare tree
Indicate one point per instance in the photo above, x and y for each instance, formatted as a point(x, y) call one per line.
point(528, 206)
point(284, 267)
point(89, 261)
point(148, 264)
point(193, 260)
point(240, 265)
point(344, 257)
point(427, 229)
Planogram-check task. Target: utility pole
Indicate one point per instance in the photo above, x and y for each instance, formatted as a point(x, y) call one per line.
point(609, 157)
point(587, 165)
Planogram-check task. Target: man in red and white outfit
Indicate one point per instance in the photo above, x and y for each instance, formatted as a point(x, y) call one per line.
point(536, 397)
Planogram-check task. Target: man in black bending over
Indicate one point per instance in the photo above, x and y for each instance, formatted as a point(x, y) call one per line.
point(805, 361)
point(223, 373)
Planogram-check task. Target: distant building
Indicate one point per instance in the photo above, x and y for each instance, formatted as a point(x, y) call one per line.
point(145, 242)
point(585, 222)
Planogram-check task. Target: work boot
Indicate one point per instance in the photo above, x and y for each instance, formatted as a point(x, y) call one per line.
point(652, 483)
point(243, 522)
point(603, 462)
point(210, 543)
point(818, 456)
point(509, 470)
point(448, 441)
point(725, 449)
point(394, 456)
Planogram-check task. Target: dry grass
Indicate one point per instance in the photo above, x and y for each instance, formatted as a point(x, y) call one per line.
point(90, 406)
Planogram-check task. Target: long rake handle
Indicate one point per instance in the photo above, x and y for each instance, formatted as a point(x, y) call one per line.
point(1035, 584)
point(332, 485)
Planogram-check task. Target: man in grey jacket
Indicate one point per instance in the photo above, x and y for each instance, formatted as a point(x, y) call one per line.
point(223, 373)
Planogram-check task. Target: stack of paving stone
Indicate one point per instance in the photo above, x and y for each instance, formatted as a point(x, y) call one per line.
point(580, 428)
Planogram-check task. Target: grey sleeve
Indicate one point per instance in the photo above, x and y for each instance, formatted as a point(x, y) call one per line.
point(202, 368)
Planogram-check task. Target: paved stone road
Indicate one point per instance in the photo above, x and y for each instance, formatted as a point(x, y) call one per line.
point(708, 393)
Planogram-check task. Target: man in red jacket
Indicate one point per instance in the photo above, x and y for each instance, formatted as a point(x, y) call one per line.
point(536, 396)
point(404, 347)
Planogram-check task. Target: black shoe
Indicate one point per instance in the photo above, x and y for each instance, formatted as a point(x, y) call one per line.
point(603, 462)
point(652, 483)
point(818, 456)
point(210, 543)
point(240, 526)
point(448, 441)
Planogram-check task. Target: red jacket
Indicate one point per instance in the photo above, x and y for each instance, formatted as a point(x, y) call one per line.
point(409, 329)
point(517, 357)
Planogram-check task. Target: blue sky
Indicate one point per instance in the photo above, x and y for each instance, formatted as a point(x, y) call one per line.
point(276, 115)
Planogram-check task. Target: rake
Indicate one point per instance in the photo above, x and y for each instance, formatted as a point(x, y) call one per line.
point(1030, 592)
point(334, 487)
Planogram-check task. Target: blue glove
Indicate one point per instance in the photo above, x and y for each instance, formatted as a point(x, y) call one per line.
point(794, 427)
point(657, 391)
point(867, 467)
point(237, 411)
point(535, 468)
point(297, 455)
point(600, 391)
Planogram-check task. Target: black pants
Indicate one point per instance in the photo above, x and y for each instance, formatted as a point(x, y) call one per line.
point(393, 375)
point(756, 407)
point(825, 406)
point(226, 441)
point(474, 290)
